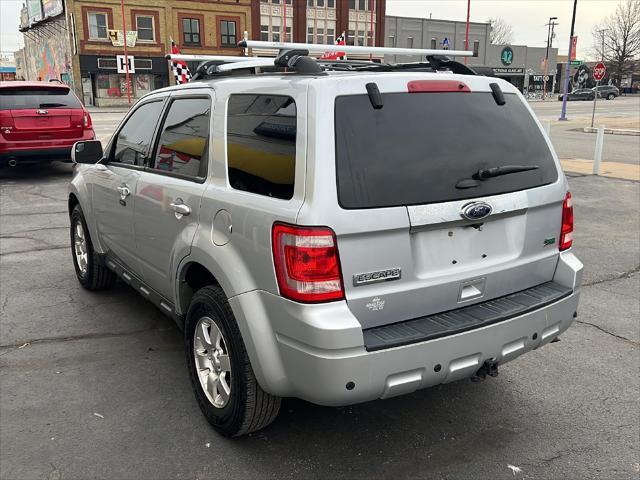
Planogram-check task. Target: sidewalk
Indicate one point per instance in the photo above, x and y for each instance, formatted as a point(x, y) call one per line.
point(623, 171)
point(93, 109)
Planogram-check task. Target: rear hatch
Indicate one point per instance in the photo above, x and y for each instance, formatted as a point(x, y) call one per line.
point(417, 158)
point(40, 113)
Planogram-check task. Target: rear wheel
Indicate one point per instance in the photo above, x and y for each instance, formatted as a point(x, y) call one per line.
point(611, 96)
point(221, 375)
point(90, 267)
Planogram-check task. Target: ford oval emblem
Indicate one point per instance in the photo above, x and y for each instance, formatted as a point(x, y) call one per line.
point(476, 211)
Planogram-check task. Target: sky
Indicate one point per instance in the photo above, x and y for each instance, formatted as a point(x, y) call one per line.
point(527, 17)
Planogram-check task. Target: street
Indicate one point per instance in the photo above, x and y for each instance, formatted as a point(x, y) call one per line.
point(96, 384)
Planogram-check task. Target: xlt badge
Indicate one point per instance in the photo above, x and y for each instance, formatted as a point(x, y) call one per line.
point(375, 277)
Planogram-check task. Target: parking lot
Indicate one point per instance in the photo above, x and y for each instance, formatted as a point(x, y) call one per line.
point(96, 384)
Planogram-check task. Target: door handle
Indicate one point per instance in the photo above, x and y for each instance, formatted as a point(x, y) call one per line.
point(180, 208)
point(124, 191)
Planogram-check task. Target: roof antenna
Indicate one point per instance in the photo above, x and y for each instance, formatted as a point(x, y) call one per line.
point(375, 97)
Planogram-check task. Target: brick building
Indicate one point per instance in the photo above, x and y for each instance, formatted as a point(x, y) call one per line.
point(205, 26)
point(319, 21)
point(78, 41)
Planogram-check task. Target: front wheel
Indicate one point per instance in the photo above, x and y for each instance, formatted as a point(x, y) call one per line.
point(221, 375)
point(91, 270)
point(611, 96)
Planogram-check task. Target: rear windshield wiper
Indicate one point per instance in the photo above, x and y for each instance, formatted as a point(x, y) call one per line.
point(486, 173)
point(52, 105)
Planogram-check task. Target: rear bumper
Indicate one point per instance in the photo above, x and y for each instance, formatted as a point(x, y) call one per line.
point(44, 151)
point(317, 352)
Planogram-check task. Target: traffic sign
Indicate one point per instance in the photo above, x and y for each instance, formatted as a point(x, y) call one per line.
point(598, 71)
point(576, 63)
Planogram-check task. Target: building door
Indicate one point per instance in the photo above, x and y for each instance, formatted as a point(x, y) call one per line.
point(87, 90)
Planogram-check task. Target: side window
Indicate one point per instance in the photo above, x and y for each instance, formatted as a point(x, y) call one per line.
point(182, 147)
point(261, 144)
point(134, 138)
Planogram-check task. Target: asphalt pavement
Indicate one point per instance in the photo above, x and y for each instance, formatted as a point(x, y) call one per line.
point(96, 385)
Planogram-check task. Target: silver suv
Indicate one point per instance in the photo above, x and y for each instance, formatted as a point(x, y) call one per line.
point(338, 236)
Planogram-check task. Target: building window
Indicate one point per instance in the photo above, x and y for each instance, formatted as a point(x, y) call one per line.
point(320, 35)
point(228, 33)
point(97, 26)
point(362, 5)
point(144, 26)
point(191, 31)
point(351, 37)
point(310, 34)
point(331, 4)
point(409, 42)
point(434, 42)
point(392, 40)
point(264, 32)
point(352, 4)
point(275, 33)
point(320, 3)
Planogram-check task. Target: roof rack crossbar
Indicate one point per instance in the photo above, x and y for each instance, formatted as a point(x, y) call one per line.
point(318, 48)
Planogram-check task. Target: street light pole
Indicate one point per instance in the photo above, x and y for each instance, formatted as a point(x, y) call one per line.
point(551, 26)
point(563, 115)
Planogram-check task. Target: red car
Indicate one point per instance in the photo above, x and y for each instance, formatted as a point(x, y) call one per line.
point(40, 121)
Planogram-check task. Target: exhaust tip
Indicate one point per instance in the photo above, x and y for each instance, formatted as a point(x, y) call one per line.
point(12, 162)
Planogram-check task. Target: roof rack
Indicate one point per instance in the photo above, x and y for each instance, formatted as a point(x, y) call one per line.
point(319, 48)
point(294, 57)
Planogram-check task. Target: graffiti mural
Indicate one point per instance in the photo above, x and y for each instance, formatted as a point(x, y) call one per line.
point(48, 57)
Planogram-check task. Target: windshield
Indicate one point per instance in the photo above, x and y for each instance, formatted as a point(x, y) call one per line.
point(16, 98)
point(418, 146)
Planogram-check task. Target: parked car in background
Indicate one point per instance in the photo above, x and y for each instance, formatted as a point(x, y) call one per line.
point(40, 121)
point(579, 94)
point(607, 91)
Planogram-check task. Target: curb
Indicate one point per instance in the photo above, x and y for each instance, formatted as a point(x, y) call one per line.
point(613, 131)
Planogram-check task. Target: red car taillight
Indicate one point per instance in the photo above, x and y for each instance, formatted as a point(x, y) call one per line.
point(566, 233)
point(86, 122)
point(307, 263)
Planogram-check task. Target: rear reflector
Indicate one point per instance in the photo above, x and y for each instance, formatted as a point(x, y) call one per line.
point(307, 263)
point(419, 86)
point(566, 234)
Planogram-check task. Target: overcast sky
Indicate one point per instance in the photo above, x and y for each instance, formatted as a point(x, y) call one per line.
point(527, 17)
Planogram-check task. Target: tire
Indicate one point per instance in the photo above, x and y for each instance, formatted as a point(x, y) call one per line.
point(95, 275)
point(611, 96)
point(247, 407)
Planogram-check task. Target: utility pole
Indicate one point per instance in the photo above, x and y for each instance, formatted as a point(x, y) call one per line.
point(466, 36)
point(126, 55)
point(563, 114)
point(551, 25)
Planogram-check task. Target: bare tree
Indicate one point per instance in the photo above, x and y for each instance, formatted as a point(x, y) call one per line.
point(619, 34)
point(501, 31)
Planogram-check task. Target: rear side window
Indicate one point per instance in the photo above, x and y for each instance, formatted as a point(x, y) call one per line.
point(182, 148)
point(36, 98)
point(134, 138)
point(418, 146)
point(261, 144)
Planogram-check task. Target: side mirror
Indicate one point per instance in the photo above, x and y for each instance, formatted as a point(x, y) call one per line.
point(89, 151)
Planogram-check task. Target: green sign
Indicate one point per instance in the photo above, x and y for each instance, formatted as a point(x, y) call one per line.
point(577, 63)
point(506, 57)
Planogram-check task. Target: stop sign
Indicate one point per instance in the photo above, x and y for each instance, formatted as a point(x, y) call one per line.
point(598, 71)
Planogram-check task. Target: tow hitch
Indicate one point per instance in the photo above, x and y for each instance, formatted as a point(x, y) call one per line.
point(489, 367)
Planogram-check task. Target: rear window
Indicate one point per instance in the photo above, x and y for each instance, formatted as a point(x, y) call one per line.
point(417, 147)
point(261, 144)
point(30, 98)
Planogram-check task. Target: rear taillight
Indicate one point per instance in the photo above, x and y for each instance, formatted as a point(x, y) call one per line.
point(307, 263)
point(566, 234)
point(86, 122)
